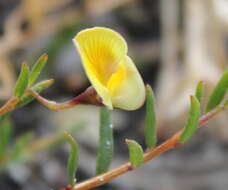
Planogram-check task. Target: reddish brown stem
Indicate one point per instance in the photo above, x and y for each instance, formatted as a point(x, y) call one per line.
point(150, 154)
point(87, 97)
point(9, 105)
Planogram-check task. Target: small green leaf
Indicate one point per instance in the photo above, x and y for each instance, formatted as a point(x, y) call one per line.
point(150, 123)
point(72, 163)
point(26, 98)
point(22, 82)
point(199, 91)
point(192, 122)
point(37, 68)
point(5, 134)
point(105, 149)
point(135, 153)
point(218, 93)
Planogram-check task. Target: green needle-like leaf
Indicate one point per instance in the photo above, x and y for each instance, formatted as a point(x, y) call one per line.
point(192, 122)
point(150, 123)
point(218, 93)
point(135, 153)
point(26, 98)
point(37, 68)
point(22, 82)
point(73, 159)
point(105, 149)
point(199, 91)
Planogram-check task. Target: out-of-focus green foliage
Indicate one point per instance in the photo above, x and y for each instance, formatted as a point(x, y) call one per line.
point(226, 103)
point(18, 153)
point(5, 134)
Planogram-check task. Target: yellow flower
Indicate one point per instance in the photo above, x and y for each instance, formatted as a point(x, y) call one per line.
point(109, 69)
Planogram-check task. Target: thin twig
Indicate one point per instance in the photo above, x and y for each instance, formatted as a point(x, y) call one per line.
point(9, 105)
point(149, 155)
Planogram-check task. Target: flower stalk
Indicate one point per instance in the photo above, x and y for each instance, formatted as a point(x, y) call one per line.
point(89, 96)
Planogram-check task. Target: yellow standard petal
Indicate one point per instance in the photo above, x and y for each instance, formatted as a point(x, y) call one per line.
point(101, 50)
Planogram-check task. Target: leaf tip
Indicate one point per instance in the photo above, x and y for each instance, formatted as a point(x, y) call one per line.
point(65, 133)
point(127, 141)
point(45, 55)
point(24, 65)
point(201, 82)
point(148, 87)
point(51, 81)
point(193, 99)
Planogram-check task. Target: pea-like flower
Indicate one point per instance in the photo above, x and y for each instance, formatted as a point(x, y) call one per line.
point(115, 80)
point(110, 70)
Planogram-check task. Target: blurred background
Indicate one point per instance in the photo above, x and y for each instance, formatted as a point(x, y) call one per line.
point(174, 43)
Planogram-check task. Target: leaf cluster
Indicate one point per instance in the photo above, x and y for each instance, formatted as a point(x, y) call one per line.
point(136, 153)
